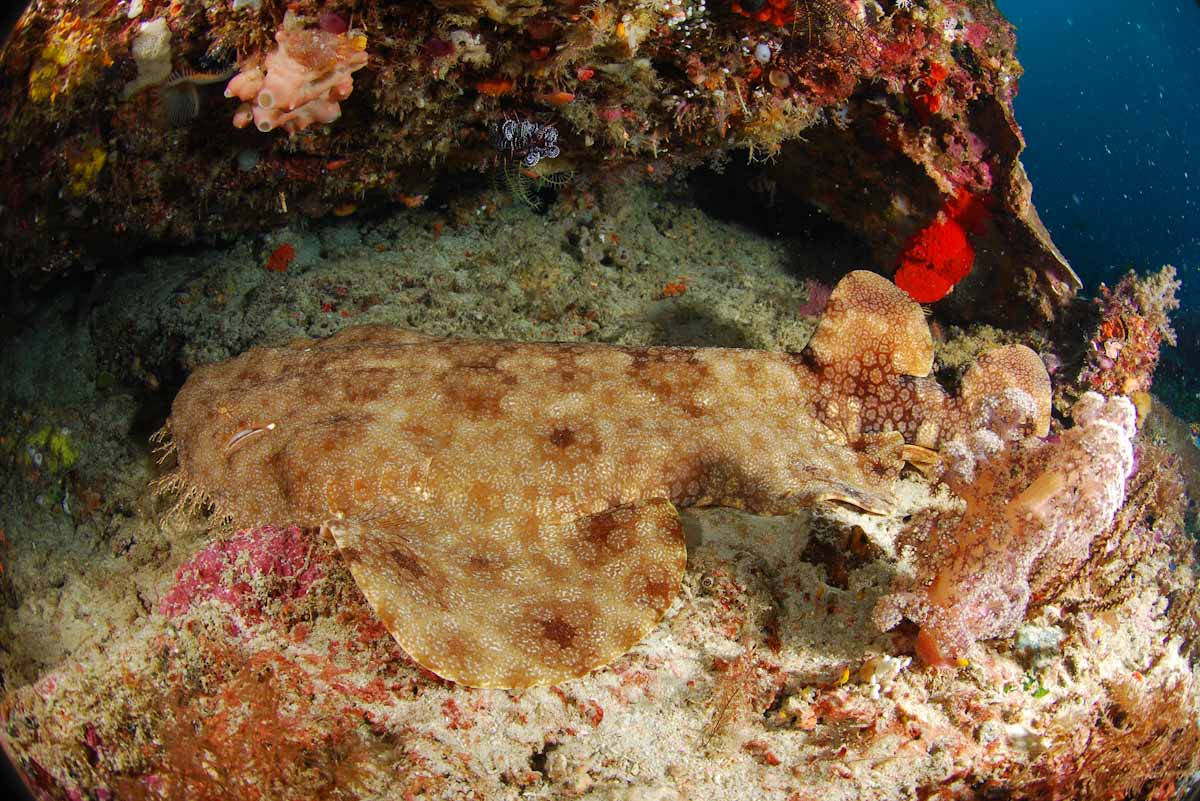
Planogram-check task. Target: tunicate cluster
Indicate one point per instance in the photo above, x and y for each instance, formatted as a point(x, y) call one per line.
point(525, 140)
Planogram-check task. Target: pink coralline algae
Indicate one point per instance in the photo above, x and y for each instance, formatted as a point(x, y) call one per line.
point(1033, 508)
point(301, 82)
point(818, 295)
point(238, 569)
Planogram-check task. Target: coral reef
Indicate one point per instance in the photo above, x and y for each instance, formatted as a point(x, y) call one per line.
point(766, 677)
point(1134, 323)
point(72, 53)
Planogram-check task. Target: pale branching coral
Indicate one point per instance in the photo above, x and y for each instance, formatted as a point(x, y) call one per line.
point(301, 82)
point(1032, 510)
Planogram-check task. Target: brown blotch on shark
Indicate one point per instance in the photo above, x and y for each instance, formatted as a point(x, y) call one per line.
point(508, 509)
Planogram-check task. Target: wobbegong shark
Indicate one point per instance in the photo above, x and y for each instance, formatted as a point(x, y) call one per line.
point(508, 509)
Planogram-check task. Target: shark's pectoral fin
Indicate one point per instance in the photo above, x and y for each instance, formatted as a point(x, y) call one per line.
point(522, 602)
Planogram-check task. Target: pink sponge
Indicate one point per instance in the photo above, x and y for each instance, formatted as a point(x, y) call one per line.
point(245, 570)
point(301, 82)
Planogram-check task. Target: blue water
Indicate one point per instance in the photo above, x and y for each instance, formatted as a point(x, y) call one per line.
point(1110, 107)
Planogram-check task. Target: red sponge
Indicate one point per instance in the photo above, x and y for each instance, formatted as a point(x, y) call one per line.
point(939, 255)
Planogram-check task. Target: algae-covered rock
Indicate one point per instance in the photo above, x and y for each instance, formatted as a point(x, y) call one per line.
point(873, 113)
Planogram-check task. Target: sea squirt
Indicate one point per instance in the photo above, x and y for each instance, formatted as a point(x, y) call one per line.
point(508, 509)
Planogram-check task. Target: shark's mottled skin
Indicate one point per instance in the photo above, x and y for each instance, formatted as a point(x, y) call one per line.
point(508, 509)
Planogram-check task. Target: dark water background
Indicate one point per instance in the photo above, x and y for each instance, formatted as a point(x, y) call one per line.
point(1110, 106)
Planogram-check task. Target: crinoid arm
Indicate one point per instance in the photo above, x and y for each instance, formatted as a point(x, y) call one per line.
point(522, 188)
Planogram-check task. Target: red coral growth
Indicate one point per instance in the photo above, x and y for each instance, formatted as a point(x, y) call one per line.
point(939, 255)
point(280, 258)
point(228, 570)
point(935, 259)
point(775, 12)
point(494, 87)
point(455, 719)
point(923, 92)
point(761, 750)
point(264, 733)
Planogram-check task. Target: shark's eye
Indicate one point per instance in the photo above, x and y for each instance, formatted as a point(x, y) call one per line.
point(245, 434)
